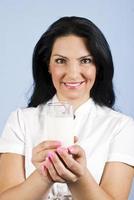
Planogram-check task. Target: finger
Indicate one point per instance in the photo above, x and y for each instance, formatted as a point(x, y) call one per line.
point(43, 171)
point(41, 156)
point(70, 162)
point(62, 171)
point(49, 144)
point(76, 139)
point(76, 150)
point(52, 172)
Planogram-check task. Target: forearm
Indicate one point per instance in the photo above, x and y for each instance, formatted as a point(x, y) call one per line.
point(87, 188)
point(34, 188)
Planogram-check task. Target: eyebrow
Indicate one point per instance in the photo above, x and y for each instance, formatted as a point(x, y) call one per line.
point(60, 56)
point(89, 55)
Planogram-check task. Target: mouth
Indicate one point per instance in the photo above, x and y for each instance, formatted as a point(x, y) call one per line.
point(73, 85)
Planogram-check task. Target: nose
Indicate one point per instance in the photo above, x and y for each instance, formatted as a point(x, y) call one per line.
point(73, 71)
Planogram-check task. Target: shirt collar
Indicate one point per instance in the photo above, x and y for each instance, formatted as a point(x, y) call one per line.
point(83, 109)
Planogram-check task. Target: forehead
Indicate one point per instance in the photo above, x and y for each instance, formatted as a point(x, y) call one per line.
point(70, 45)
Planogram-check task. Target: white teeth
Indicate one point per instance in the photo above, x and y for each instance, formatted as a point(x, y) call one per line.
point(72, 84)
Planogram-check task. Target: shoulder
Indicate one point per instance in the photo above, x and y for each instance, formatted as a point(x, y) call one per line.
point(30, 110)
point(25, 114)
point(114, 117)
point(111, 113)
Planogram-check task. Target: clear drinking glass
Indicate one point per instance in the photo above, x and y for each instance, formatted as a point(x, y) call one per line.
point(59, 126)
point(59, 122)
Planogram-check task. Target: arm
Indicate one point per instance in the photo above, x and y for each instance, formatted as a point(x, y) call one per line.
point(117, 179)
point(115, 184)
point(12, 174)
point(12, 180)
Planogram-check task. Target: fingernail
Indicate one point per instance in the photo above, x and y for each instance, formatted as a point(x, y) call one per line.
point(50, 155)
point(59, 150)
point(46, 164)
point(71, 149)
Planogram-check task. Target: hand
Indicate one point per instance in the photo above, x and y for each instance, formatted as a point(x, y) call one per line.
point(40, 152)
point(66, 164)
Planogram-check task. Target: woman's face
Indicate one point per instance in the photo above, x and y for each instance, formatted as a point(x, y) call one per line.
point(72, 69)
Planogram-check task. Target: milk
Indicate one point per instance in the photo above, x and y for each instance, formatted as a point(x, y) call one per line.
point(59, 122)
point(61, 129)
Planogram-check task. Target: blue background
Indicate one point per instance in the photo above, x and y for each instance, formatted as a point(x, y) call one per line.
point(23, 22)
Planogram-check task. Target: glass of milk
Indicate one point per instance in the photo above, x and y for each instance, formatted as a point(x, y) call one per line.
point(59, 122)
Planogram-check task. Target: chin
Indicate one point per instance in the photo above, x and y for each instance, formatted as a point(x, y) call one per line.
point(74, 97)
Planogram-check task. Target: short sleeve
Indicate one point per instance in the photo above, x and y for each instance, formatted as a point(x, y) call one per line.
point(122, 145)
point(12, 138)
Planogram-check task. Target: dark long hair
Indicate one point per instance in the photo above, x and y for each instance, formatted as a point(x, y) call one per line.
point(102, 92)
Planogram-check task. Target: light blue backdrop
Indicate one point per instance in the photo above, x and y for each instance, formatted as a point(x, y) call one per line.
point(23, 22)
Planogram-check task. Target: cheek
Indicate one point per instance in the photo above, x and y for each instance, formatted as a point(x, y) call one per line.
point(56, 73)
point(91, 74)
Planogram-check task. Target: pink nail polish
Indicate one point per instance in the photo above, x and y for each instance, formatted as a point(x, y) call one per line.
point(50, 155)
point(59, 150)
point(71, 150)
point(47, 163)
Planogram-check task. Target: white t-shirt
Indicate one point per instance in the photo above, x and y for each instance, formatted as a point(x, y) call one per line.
point(105, 135)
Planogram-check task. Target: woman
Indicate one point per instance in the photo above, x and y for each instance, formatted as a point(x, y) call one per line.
point(71, 62)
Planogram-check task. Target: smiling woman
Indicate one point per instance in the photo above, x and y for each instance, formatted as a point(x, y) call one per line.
point(93, 44)
point(72, 63)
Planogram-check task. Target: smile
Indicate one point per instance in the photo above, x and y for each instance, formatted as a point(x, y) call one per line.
point(73, 84)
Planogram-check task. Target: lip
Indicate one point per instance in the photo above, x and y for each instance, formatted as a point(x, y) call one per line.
point(73, 85)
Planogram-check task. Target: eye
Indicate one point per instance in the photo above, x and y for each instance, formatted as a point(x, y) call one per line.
point(86, 60)
point(60, 60)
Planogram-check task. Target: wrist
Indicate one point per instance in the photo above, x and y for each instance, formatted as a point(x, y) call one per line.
point(85, 176)
point(43, 180)
point(81, 180)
